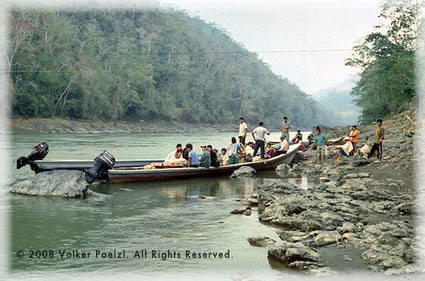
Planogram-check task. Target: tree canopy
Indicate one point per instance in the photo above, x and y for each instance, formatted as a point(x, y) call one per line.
point(386, 58)
point(144, 64)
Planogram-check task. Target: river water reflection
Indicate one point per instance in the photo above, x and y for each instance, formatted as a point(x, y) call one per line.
point(165, 217)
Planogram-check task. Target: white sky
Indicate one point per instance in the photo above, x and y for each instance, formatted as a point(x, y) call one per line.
point(294, 25)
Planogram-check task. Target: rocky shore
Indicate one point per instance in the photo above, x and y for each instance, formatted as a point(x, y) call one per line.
point(359, 205)
point(57, 125)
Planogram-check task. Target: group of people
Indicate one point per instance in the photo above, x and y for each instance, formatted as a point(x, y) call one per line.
point(349, 148)
point(241, 152)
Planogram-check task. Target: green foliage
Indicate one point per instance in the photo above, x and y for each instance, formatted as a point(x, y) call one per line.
point(387, 60)
point(150, 65)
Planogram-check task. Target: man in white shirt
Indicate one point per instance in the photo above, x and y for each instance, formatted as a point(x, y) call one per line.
point(243, 129)
point(259, 136)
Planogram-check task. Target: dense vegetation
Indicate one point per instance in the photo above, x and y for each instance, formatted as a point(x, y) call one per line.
point(386, 58)
point(150, 65)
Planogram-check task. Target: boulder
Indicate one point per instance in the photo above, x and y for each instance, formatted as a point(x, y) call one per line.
point(290, 252)
point(240, 210)
point(244, 171)
point(57, 183)
point(262, 241)
point(323, 238)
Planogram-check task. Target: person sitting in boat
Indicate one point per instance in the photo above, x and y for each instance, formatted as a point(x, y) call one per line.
point(298, 137)
point(193, 159)
point(283, 147)
point(213, 156)
point(249, 149)
point(234, 151)
point(301, 147)
point(205, 160)
point(270, 151)
point(223, 158)
point(176, 155)
point(344, 150)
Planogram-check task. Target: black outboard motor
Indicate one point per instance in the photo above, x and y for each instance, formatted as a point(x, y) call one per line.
point(99, 170)
point(38, 153)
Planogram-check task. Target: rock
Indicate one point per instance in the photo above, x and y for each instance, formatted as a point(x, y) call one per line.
point(331, 218)
point(324, 179)
point(240, 210)
point(285, 171)
point(244, 171)
point(262, 241)
point(290, 252)
point(252, 202)
point(58, 183)
point(360, 163)
point(247, 212)
point(347, 227)
point(326, 237)
point(294, 236)
point(357, 175)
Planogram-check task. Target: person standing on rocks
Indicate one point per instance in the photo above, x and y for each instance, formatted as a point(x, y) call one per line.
point(379, 137)
point(259, 136)
point(243, 129)
point(284, 127)
point(320, 144)
point(354, 136)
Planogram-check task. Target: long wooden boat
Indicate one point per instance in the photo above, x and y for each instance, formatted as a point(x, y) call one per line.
point(83, 165)
point(119, 175)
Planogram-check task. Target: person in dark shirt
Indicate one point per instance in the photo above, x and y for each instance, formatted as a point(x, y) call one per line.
point(213, 156)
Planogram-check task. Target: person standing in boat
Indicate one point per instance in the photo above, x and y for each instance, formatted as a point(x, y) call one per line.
point(284, 127)
point(192, 159)
point(205, 160)
point(213, 156)
point(234, 151)
point(243, 129)
point(259, 136)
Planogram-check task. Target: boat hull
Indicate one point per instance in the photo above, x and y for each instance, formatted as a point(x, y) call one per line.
point(84, 165)
point(137, 175)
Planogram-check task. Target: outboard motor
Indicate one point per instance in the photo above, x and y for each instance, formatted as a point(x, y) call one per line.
point(99, 170)
point(38, 153)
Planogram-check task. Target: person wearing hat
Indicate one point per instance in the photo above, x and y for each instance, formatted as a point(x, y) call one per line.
point(205, 160)
point(345, 149)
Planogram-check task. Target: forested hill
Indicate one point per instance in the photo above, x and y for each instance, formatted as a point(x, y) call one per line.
point(144, 65)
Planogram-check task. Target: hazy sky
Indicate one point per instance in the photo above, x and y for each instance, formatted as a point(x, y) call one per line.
point(275, 25)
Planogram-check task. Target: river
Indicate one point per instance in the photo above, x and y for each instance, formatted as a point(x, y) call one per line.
point(166, 217)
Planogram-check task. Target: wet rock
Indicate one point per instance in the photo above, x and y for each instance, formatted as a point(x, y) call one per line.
point(285, 171)
point(240, 210)
point(247, 212)
point(290, 252)
point(252, 202)
point(57, 183)
point(244, 171)
point(323, 238)
point(294, 236)
point(360, 163)
point(357, 175)
point(262, 241)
